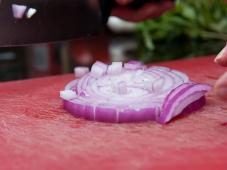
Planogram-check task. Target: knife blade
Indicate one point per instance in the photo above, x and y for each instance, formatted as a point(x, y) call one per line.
point(53, 20)
point(37, 21)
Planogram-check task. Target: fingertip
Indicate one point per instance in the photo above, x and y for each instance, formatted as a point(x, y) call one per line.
point(221, 87)
point(221, 62)
point(217, 60)
point(221, 58)
point(221, 93)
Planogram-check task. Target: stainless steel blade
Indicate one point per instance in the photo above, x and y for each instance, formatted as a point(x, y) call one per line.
point(36, 21)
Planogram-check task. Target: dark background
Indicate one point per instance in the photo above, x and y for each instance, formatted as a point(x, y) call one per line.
point(192, 29)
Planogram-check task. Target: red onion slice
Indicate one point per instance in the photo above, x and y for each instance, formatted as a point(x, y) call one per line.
point(180, 98)
point(133, 65)
point(124, 94)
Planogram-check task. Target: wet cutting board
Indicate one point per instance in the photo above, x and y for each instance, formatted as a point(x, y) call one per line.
point(36, 133)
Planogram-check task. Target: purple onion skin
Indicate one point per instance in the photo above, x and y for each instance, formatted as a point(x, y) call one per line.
point(109, 115)
point(184, 87)
point(192, 108)
point(106, 115)
point(128, 116)
point(78, 110)
point(181, 93)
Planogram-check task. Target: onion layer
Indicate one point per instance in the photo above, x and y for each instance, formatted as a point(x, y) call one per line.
point(132, 93)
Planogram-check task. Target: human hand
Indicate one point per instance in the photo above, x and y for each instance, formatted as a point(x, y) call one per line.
point(221, 84)
point(149, 10)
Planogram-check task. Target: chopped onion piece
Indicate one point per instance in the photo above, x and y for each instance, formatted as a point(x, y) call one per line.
point(115, 68)
point(67, 94)
point(98, 69)
point(132, 94)
point(18, 10)
point(31, 12)
point(80, 71)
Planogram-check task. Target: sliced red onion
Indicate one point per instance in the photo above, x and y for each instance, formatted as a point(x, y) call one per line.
point(132, 95)
point(134, 62)
point(80, 71)
point(133, 65)
point(68, 94)
point(122, 88)
point(98, 69)
point(181, 97)
point(31, 12)
point(115, 68)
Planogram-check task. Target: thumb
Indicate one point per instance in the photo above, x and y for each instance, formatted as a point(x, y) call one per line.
point(221, 87)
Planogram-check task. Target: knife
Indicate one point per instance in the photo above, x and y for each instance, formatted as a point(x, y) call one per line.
point(36, 21)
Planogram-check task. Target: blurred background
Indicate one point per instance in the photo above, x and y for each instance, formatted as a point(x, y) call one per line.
point(192, 29)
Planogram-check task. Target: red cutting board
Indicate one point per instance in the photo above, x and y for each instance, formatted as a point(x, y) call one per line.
point(36, 133)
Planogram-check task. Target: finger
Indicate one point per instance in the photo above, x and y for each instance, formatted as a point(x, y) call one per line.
point(149, 10)
point(124, 2)
point(221, 87)
point(221, 58)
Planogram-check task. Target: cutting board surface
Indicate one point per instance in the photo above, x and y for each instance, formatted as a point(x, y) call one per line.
point(36, 133)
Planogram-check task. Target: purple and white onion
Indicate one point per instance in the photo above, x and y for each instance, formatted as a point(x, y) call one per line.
point(132, 93)
point(18, 10)
point(80, 71)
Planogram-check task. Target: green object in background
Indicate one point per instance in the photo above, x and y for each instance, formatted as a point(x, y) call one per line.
point(192, 28)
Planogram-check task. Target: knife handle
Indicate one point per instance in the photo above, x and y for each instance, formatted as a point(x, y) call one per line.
point(108, 5)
